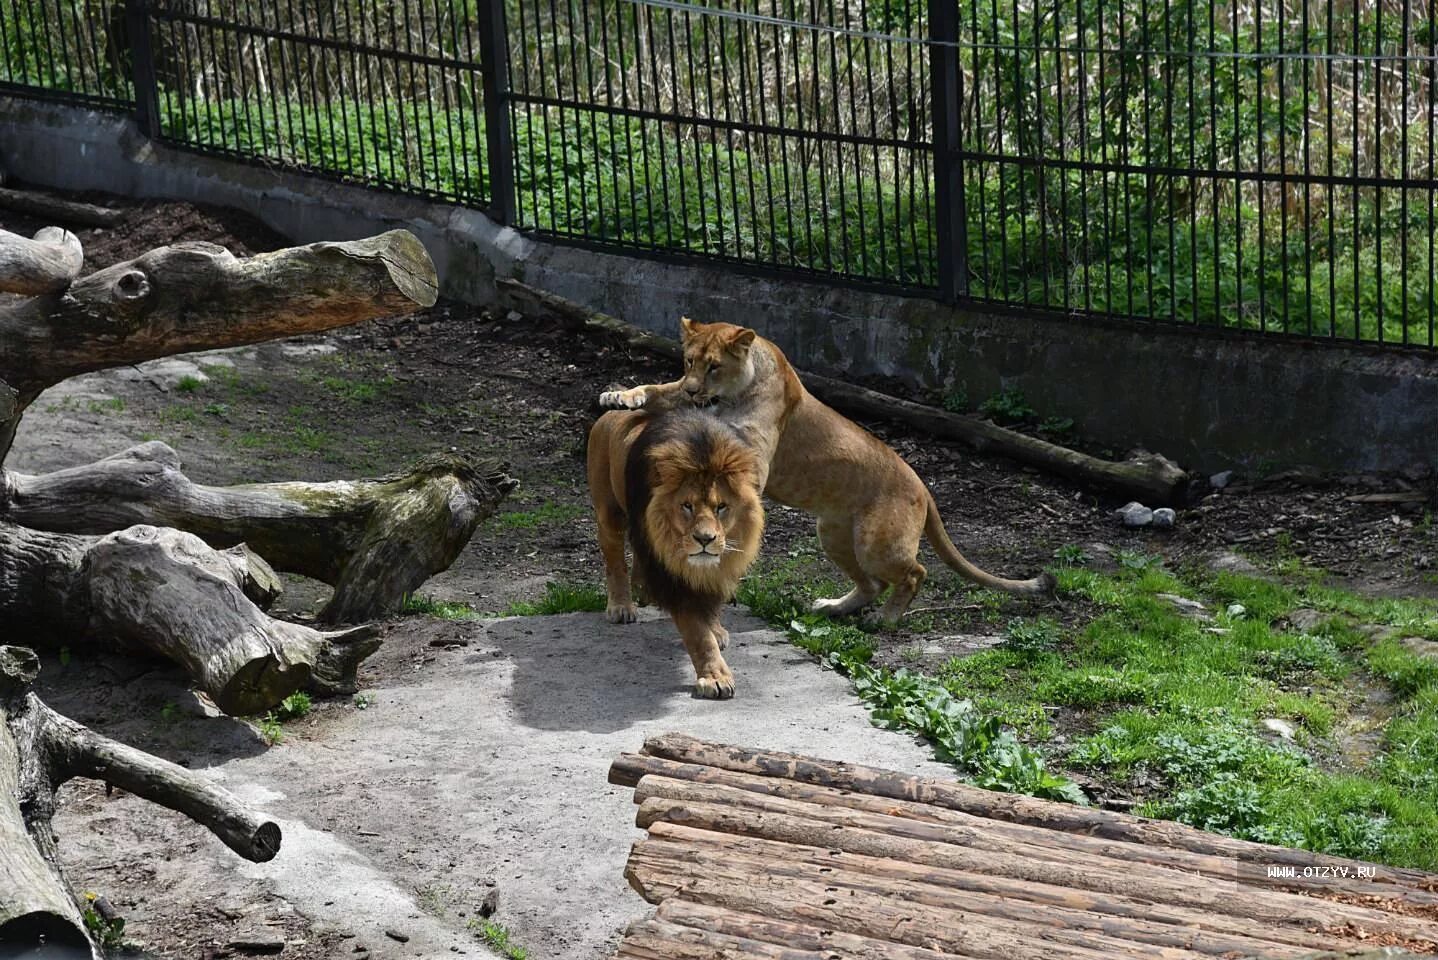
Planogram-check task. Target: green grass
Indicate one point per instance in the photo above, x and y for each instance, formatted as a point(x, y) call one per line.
point(560, 596)
point(1171, 707)
point(498, 937)
point(978, 743)
point(542, 515)
point(443, 609)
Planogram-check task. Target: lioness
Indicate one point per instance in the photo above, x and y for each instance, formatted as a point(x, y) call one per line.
point(871, 506)
point(686, 491)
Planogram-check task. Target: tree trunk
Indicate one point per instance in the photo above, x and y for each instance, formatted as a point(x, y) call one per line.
point(39, 751)
point(750, 926)
point(374, 541)
point(46, 264)
point(199, 296)
point(1148, 477)
point(59, 209)
point(164, 591)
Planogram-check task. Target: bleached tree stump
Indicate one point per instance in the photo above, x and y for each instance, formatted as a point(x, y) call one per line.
point(39, 751)
point(90, 556)
point(374, 541)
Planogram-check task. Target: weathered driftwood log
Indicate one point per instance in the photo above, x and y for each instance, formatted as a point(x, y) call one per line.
point(166, 592)
point(198, 296)
point(1000, 806)
point(948, 849)
point(879, 915)
point(39, 751)
point(797, 936)
point(1148, 477)
point(628, 770)
point(374, 541)
point(985, 882)
point(58, 209)
point(661, 940)
point(931, 889)
point(46, 264)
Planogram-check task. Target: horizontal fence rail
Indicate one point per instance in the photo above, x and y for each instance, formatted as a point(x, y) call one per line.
point(1260, 165)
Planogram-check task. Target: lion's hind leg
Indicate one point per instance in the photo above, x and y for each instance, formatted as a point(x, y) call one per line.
point(620, 605)
point(837, 539)
point(713, 678)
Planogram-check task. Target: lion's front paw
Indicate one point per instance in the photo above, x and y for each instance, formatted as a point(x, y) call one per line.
point(714, 688)
point(621, 613)
point(622, 399)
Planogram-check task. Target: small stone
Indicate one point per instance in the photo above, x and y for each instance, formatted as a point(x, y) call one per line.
point(1231, 562)
point(1306, 620)
point(1281, 727)
point(1417, 472)
point(396, 935)
point(1185, 606)
point(490, 903)
point(1134, 514)
point(1236, 610)
point(1220, 480)
point(1164, 518)
point(513, 316)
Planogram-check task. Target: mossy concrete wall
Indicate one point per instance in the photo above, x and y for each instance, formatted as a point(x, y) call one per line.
point(1208, 400)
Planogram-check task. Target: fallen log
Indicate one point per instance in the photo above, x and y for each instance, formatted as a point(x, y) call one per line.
point(628, 769)
point(39, 751)
point(929, 889)
point(58, 209)
point(1037, 894)
point(374, 541)
point(796, 935)
point(46, 264)
point(880, 915)
point(1146, 477)
point(631, 769)
point(933, 849)
point(165, 592)
point(661, 940)
point(1009, 807)
point(198, 296)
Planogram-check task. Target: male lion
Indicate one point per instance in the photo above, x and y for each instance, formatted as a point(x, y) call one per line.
point(686, 491)
point(871, 506)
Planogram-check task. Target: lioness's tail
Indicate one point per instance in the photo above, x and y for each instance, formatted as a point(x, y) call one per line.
point(1044, 583)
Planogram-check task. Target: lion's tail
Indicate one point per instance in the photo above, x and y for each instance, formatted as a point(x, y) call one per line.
point(1044, 583)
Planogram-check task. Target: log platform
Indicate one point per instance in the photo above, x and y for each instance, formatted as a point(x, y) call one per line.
point(753, 854)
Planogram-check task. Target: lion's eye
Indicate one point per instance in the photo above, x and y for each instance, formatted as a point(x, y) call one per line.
point(723, 507)
point(688, 508)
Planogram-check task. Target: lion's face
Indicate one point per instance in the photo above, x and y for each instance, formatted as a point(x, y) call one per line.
point(705, 517)
point(716, 359)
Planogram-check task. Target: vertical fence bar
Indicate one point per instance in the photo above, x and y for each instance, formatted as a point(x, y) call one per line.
point(951, 231)
point(499, 141)
point(142, 67)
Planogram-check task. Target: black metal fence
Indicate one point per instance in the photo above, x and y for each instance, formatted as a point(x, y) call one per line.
point(1264, 165)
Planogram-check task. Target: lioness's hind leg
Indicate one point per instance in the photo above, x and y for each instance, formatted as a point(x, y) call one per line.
point(713, 679)
point(887, 545)
point(837, 539)
point(903, 594)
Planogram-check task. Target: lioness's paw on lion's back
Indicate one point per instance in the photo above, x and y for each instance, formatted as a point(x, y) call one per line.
point(622, 399)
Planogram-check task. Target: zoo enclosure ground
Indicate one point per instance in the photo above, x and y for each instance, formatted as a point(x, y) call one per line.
point(1095, 681)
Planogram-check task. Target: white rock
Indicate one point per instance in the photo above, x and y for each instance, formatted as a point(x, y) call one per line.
point(1164, 517)
point(1134, 514)
point(1220, 480)
point(1281, 727)
point(1236, 610)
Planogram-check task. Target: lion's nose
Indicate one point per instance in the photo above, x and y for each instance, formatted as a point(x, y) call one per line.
point(703, 537)
point(692, 388)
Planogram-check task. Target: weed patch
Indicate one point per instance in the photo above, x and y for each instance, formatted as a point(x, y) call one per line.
point(560, 597)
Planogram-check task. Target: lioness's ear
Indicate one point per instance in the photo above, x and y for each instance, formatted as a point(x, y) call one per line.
point(687, 328)
point(740, 340)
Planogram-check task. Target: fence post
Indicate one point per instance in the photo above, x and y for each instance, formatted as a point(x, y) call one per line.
point(494, 78)
point(142, 67)
point(946, 94)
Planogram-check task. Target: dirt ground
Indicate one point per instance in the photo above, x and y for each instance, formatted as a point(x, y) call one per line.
point(368, 399)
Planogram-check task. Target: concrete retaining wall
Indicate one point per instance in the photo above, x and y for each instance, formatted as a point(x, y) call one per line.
point(1205, 399)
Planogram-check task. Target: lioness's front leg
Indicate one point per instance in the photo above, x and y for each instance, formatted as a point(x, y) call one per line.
point(655, 397)
point(714, 681)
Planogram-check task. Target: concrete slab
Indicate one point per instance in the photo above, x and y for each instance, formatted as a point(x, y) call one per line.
point(483, 766)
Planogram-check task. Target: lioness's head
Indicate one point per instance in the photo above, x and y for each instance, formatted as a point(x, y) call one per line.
point(716, 359)
point(704, 518)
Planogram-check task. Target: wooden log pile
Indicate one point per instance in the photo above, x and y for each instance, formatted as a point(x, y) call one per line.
point(754, 854)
